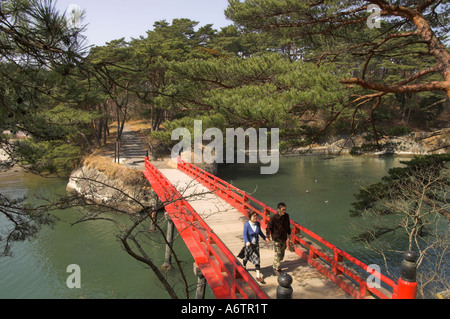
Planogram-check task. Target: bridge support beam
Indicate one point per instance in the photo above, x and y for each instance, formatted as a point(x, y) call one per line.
point(169, 244)
point(154, 219)
point(201, 283)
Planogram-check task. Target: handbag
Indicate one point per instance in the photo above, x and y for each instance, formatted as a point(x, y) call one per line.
point(242, 253)
point(291, 246)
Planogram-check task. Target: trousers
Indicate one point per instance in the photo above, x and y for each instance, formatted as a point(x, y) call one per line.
point(279, 251)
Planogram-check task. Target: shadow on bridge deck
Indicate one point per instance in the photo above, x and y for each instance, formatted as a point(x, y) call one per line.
point(227, 222)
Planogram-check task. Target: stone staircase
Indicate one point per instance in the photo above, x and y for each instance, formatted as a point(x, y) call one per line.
point(133, 150)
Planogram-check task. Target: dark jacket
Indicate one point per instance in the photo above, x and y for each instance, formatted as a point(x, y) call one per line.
point(279, 227)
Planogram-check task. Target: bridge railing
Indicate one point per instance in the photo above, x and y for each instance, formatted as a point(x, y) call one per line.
point(343, 269)
point(224, 273)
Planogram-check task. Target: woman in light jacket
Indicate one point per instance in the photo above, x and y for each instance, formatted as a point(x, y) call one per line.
point(252, 231)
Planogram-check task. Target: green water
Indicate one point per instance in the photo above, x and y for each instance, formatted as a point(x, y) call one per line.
point(38, 267)
point(318, 192)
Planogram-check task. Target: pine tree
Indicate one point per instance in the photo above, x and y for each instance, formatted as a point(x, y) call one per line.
point(405, 54)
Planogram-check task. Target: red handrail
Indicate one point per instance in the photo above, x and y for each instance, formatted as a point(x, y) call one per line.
point(331, 266)
point(224, 273)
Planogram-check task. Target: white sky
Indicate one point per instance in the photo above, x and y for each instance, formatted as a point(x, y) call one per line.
point(114, 19)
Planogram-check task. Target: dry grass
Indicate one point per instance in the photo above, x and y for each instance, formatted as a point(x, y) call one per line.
point(139, 125)
point(113, 170)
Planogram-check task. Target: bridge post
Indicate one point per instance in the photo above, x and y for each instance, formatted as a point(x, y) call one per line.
point(154, 219)
point(201, 283)
point(155, 213)
point(115, 152)
point(266, 217)
point(407, 285)
point(284, 289)
point(245, 209)
point(169, 238)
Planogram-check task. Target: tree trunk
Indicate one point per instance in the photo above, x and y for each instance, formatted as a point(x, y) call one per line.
point(435, 48)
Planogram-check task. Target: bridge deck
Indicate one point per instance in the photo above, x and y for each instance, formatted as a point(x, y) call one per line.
point(227, 222)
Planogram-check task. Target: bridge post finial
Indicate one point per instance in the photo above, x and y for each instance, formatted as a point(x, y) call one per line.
point(284, 289)
point(407, 285)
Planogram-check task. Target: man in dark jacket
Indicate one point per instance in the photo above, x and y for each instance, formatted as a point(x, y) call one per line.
point(278, 228)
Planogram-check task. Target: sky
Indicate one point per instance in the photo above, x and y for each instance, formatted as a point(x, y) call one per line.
point(114, 19)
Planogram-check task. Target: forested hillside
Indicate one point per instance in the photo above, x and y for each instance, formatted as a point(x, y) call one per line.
point(313, 69)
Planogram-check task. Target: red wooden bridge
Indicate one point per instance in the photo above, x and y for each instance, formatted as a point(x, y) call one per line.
point(209, 215)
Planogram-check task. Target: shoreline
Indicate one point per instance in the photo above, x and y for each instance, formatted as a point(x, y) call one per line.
point(413, 144)
point(18, 170)
point(14, 170)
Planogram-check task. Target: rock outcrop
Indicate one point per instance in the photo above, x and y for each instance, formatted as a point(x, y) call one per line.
point(115, 185)
point(420, 143)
